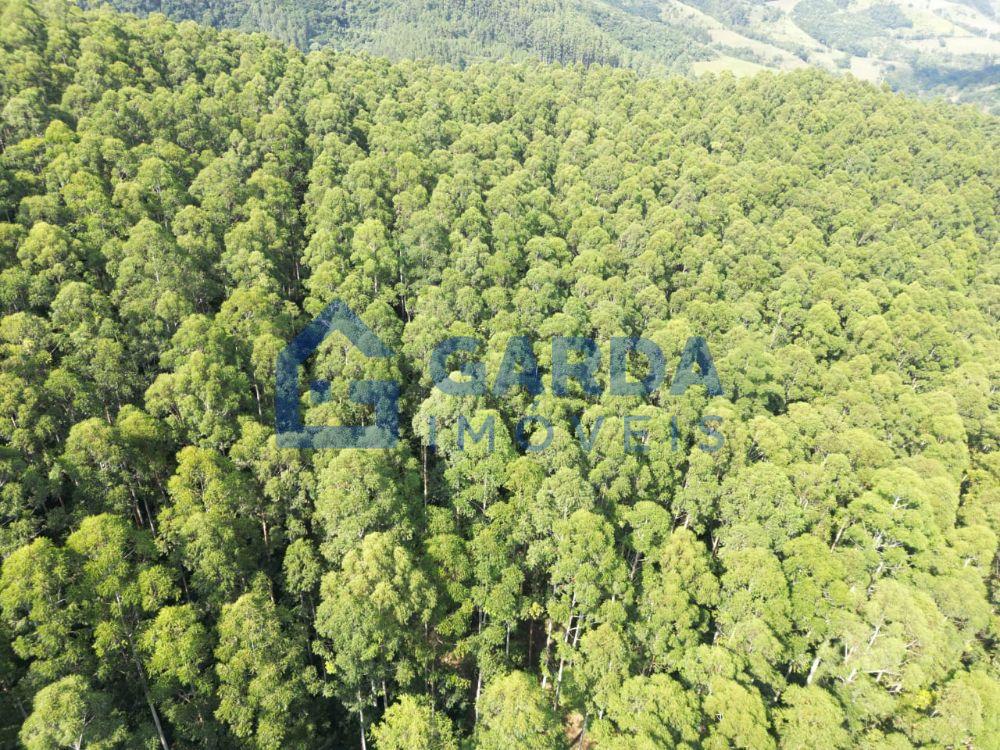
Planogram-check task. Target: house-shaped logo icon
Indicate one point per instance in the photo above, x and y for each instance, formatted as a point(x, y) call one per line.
point(383, 395)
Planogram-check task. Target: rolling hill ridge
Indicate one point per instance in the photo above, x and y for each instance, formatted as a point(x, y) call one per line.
point(938, 47)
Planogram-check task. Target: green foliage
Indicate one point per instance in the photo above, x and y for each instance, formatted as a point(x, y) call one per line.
point(839, 28)
point(515, 713)
point(177, 202)
point(68, 714)
point(651, 37)
point(413, 724)
point(458, 31)
point(262, 675)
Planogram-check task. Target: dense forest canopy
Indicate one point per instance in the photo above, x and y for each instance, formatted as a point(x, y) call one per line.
point(177, 202)
point(458, 31)
point(933, 47)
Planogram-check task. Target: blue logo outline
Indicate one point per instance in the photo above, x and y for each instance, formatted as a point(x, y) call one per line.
point(383, 395)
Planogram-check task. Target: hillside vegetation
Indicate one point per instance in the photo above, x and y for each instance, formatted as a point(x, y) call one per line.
point(941, 47)
point(176, 203)
point(460, 31)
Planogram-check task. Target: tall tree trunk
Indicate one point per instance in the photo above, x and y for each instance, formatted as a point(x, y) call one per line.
point(423, 455)
point(479, 675)
point(361, 722)
point(531, 640)
point(141, 673)
point(475, 705)
point(812, 670)
point(545, 658)
point(149, 516)
point(555, 702)
point(145, 691)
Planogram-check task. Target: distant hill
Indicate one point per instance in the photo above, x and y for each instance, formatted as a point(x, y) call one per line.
point(939, 47)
